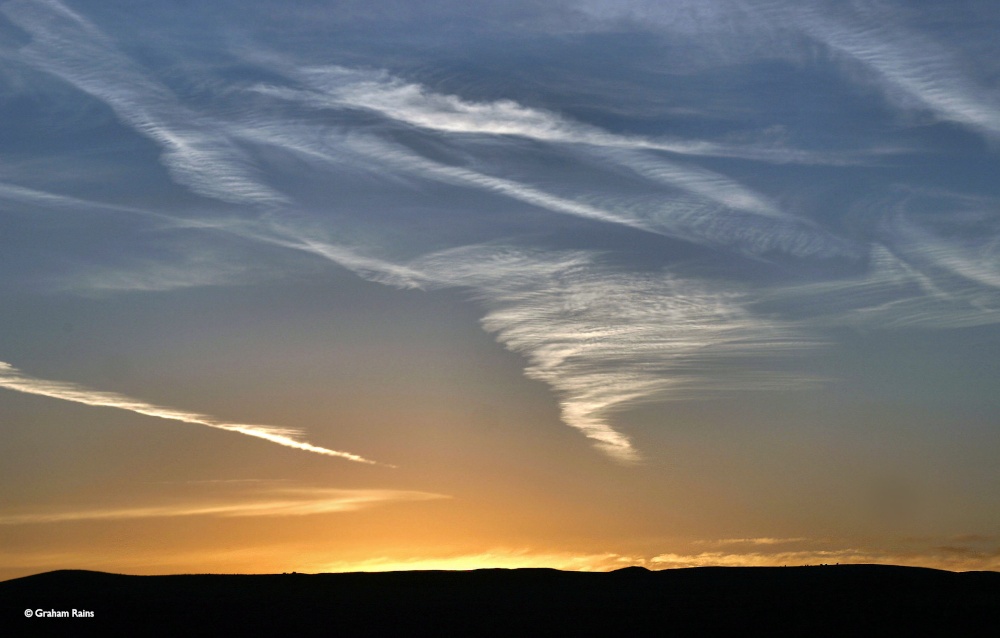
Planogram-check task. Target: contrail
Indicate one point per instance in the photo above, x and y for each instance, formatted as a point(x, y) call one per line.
point(13, 379)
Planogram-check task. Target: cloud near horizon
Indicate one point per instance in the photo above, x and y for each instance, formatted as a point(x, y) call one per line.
point(947, 554)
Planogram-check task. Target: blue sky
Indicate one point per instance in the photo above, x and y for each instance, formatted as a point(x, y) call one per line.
point(736, 260)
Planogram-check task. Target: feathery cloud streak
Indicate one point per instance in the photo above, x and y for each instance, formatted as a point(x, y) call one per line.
point(604, 339)
point(929, 271)
point(67, 45)
point(334, 86)
point(418, 106)
point(205, 154)
point(693, 204)
point(275, 502)
point(906, 61)
point(699, 206)
point(13, 379)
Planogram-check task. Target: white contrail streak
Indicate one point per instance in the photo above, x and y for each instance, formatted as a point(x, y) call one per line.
point(13, 379)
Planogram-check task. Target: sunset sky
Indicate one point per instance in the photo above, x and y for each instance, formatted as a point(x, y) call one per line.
point(363, 285)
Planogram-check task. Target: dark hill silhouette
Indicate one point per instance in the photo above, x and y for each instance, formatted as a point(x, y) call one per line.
point(822, 600)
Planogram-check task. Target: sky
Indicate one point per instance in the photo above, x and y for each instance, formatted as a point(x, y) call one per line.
point(337, 286)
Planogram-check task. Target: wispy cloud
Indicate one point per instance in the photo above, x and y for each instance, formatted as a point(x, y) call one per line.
point(417, 105)
point(967, 248)
point(273, 502)
point(191, 270)
point(40, 199)
point(958, 552)
point(510, 188)
point(762, 540)
point(335, 86)
point(67, 45)
point(720, 213)
point(905, 59)
point(890, 294)
point(13, 379)
point(701, 207)
point(604, 339)
point(907, 62)
point(693, 203)
point(934, 557)
point(353, 258)
point(937, 270)
point(193, 265)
